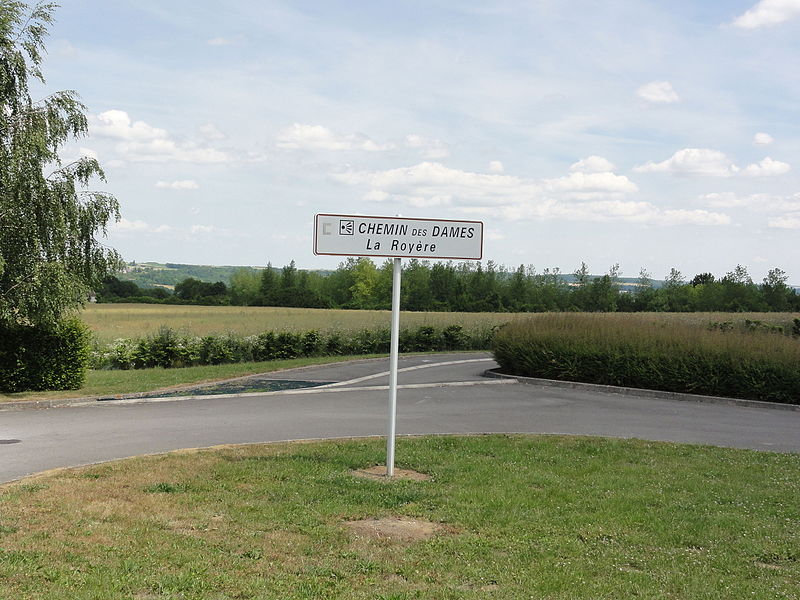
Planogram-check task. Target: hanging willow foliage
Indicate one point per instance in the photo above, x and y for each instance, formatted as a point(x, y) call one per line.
point(50, 221)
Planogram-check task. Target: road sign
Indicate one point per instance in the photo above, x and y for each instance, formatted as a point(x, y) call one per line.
point(397, 237)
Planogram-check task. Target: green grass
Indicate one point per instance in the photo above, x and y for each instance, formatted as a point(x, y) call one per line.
point(113, 382)
point(523, 516)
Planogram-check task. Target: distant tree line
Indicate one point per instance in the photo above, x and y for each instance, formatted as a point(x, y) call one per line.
point(472, 287)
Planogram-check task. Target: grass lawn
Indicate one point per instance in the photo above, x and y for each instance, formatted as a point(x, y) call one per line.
point(109, 383)
point(514, 517)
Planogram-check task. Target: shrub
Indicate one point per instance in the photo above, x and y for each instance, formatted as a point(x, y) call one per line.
point(169, 349)
point(35, 358)
point(628, 351)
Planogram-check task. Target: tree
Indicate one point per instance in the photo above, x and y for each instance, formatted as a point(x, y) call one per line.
point(580, 293)
point(674, 292)
point(775, 291)
point(365, 280)
point(287, 290)
point(739, 293)
point(245, 287)
point(50, 258)
point(702, 279)
point(269, 286)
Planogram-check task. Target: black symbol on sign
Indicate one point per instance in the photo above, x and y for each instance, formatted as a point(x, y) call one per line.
point(347, 227)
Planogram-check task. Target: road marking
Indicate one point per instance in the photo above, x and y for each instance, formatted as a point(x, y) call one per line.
point(403, 370)
point(313, 390)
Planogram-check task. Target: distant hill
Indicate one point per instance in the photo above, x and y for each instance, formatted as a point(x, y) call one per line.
point(151, 274)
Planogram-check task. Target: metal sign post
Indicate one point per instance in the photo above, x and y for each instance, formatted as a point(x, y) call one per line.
point(393, 359)
point(396, 238)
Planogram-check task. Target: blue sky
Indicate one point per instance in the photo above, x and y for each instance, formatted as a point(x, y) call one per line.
point(649, 134)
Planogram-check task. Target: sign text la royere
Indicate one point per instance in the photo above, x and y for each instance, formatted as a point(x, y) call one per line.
point(397, 237)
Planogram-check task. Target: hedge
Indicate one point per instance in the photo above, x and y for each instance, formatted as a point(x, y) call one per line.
point(38, 358)
point(170, 349)
point(634, 352)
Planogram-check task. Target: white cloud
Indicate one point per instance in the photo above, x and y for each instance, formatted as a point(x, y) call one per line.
point(658, 92)
point(495, 166)
point(125, 226)
point(211, 132)
point(592, 164)
point(765, 203)
point(694, 217)
point(88, 153)
point(766, 168)
point(180, 184)
point(317, 137)
point(598, 182)
point(206, 229)
point(767, 13)
point(725, 200)
point(785, 222)
point(577, 196)
point(376, 196)
point(763, 139)
point(116, 124)
point(139, 142)
point(693, 161)
point(432, 149)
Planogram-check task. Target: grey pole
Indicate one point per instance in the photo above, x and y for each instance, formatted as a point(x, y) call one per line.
point(393, 357)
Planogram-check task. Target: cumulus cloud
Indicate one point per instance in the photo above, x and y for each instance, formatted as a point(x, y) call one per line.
point(317, 137)
point(126, 226)
point(495, 166)
point(432, 149)
point(766, 168)
point(694, 217)
point(693, 161)
point(592, 164)
point(785, 222)
point(767, 13)
point(658, 92)
point(116, 124)
point(764, 203)
point(592, 182)
point(713, 163)
point(763, 139)
point(180, 184)
point(139, 142)
point(576, 196)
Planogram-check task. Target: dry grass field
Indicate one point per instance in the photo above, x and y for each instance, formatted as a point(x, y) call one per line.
point(112, 321)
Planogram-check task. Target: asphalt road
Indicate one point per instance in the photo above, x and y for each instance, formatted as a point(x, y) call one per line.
point(438, 394)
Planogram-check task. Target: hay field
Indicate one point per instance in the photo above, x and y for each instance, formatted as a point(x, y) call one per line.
point(111, 321)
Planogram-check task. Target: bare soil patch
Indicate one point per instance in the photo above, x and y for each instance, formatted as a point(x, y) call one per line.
point(398, 529)
point(379, 472)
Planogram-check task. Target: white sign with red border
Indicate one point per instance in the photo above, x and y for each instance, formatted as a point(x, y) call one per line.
point(397, 237)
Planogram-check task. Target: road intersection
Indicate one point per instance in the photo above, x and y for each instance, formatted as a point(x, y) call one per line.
point(438, 394)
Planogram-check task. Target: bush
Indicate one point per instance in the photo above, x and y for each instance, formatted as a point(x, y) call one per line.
point(753, 364)
point(35, 358)
point(170, 349)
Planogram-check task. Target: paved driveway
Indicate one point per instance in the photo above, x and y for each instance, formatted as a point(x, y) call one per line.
point(439, 394)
